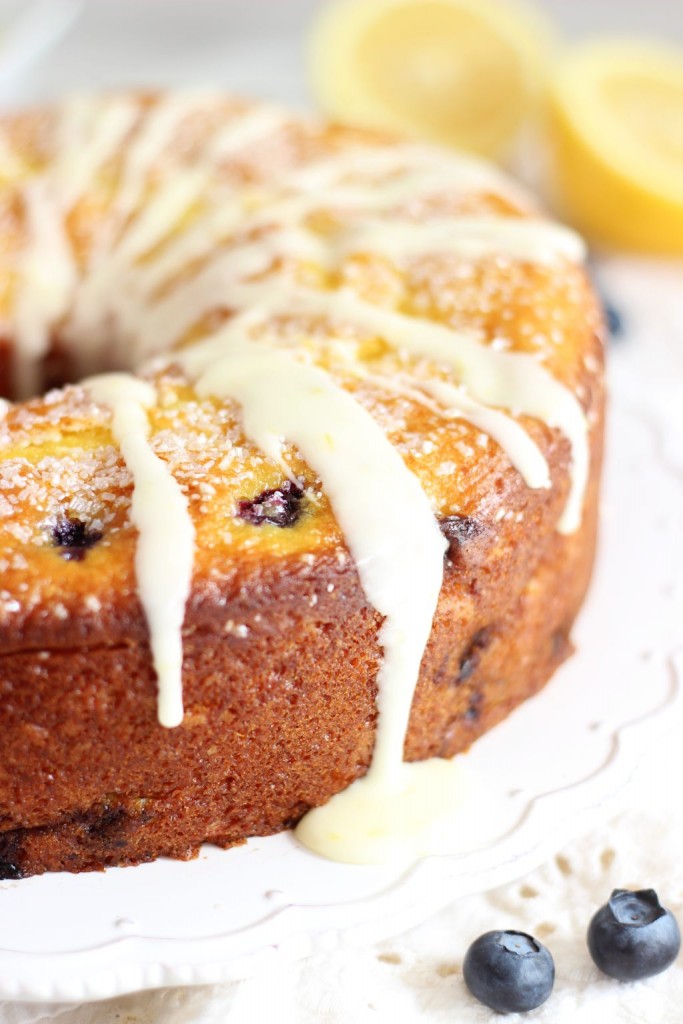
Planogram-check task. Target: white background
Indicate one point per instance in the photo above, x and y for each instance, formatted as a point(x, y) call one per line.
point(173, 42)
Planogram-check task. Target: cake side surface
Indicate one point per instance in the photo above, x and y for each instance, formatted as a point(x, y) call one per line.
point(273, 726)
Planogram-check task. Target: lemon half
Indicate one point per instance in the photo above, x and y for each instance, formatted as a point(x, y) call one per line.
point(459, 72)
point(617, 138)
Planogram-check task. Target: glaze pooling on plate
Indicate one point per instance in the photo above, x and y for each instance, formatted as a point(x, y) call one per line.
point(142, 293)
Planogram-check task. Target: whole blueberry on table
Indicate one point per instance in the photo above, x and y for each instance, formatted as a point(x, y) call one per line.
point(613, 319)
point(509, 971)
point(633, 936)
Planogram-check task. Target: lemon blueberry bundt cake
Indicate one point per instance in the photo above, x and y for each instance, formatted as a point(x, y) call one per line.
point(298, 474)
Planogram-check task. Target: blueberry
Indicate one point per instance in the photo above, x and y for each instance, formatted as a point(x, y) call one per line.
point(470, 659)
point(633, 936)
point(9, 872)
point(614, 319)
point(280, 506)
point(10, 855)
point(509, 971)
point(473, 712)
point(74, 537)
point(458, 530)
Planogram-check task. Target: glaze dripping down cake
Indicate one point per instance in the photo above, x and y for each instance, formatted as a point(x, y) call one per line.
point(298, 472)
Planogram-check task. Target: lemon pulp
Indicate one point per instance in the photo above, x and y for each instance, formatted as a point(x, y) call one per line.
point(461, 72)
point(617, 138)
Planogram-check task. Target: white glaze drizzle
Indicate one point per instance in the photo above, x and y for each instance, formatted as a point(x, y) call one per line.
point(534, 241)
point(451, 402)
point(156, 133)
point(507, 380)
point(295, 204)
point(165, 548)
point(110, 282)
point(394, 167)
point(173, 197)
point(413, 175)
point(399, 559)
point(90, 133)
point(116, 290)
point(202, 292)
point(10, 164)
point(253, 126)
point(521, 238)
point(113, 282)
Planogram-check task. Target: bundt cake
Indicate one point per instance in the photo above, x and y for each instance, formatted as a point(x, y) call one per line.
point(299, 467)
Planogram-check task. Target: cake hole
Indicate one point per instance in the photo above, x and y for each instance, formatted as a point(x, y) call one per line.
point(73, 537)
point(544, 929)
point(279, 506)
point(527, 892)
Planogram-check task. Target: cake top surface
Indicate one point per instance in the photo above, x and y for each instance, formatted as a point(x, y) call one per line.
point(160, 206)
